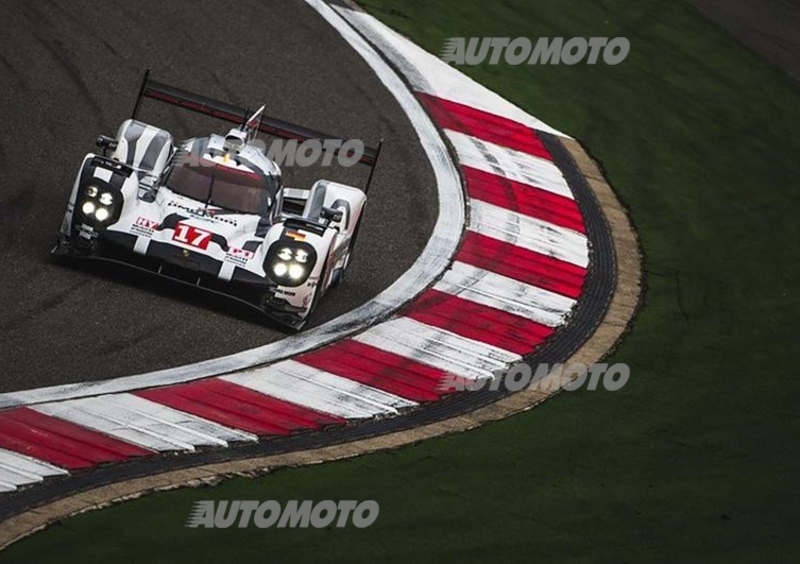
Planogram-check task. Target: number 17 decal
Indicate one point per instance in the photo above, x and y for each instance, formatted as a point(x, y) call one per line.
point(191, 235)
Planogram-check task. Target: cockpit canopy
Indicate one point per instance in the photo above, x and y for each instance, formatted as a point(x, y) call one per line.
point(224, 183)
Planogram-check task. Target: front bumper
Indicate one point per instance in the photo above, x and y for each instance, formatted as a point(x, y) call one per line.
point(188, 268)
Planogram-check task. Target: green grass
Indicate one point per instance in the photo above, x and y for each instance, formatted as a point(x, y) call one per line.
point(695, 459)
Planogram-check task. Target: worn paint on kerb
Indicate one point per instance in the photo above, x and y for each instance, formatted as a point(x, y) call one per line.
point(505, 294)
point(508, 163)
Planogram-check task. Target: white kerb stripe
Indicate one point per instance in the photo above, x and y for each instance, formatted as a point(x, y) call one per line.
point(515, 165)
point(320, 391)
point(436, 347)
point(506, 294)
point(144, 423)
point(528, 232)
point(19, 470)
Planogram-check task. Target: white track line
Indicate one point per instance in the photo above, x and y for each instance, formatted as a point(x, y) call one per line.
point(145, 423)
point(438, 348)
point(428, 266)
point(529, 233)
point(506, 294)
point(431, 75)
point(321, 391)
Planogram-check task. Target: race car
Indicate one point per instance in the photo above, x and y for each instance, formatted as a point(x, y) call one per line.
point(213, 212)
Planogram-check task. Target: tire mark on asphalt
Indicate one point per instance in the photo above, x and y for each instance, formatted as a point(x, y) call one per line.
point(85, 25)
point(58, 50)
point(13, 72)
point(14, 209)
point(45, 305)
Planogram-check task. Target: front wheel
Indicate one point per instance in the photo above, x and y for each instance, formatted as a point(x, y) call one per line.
point(338, 274)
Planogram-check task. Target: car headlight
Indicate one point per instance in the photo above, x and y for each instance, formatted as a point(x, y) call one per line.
point(98, 206)
point(290, 264)
point(280, 269)
point(102, 214)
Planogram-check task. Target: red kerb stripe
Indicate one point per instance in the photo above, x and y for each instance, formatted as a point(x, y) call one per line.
point(524, 199)
point(479, 322)
point(60, 442)
point(484, 125)
point(384, 370)
point(235, 406)
point(521, 264)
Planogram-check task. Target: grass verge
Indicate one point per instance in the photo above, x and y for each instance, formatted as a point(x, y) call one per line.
point(693, 461)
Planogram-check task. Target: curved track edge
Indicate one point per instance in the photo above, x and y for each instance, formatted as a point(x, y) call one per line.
point(613, 298)
point(621, 311)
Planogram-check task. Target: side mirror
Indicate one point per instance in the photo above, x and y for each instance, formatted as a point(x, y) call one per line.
point(105, 142)
point(331, 214)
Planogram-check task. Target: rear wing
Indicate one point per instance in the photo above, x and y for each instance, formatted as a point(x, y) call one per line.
point(234, 114)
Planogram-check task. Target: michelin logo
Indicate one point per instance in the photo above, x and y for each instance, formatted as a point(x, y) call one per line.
point(243, 514)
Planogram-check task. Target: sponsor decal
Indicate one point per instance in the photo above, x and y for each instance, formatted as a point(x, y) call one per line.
point(239, 257)
point(296, 235)
point(144, 227)
point(192, 236)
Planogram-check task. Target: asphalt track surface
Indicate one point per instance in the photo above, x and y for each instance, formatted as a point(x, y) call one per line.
point(769, 27)
point(70, 71)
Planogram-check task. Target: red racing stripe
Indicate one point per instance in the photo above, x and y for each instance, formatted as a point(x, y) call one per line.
point(380, 369)
point(483, 125)
point(522, 264)
point(479, 322)
point(229, 404)
point(524, 199)
point(60, 442)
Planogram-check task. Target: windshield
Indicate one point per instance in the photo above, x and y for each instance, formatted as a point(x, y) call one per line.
point(222, 186)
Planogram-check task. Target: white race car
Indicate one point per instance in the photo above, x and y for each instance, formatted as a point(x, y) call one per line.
point(212, 211)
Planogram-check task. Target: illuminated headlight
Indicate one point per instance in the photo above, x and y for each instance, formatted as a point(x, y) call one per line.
point(98, 207)
point(280, 269)
point(290, 264)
